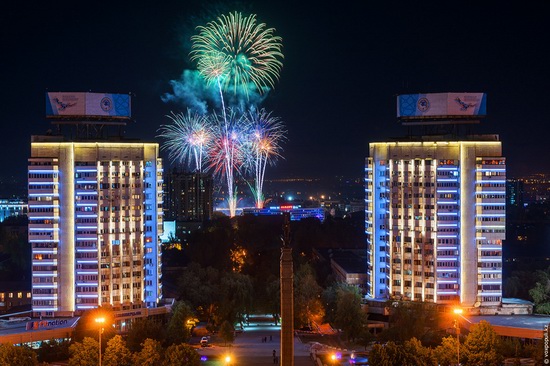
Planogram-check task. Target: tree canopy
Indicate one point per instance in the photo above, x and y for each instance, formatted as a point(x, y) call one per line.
point(181, 355)
point(117, 354)
point(150, 353)
point(17, 355)
point(85, 353)
point(177, 330)
point(483, 345)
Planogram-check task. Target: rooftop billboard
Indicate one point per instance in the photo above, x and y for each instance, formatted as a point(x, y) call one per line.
point(437, 105)
point(87, 105)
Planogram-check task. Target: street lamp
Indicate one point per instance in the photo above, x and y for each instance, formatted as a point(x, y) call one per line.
point(100, 321)
point(457, 311)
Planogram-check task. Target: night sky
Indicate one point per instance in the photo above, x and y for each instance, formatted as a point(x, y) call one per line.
point(344, 65)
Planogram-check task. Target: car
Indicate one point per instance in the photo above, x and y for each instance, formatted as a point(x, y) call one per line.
point(359, 358)
point(204, 341)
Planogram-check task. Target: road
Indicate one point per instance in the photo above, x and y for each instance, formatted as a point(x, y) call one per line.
point(248, 349)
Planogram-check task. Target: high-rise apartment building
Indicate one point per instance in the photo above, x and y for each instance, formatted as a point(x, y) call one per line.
point(435, 219)
point(95, 216)
point(189, 196)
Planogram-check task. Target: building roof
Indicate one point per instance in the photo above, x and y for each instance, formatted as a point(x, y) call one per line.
point(348, 259)
point(513, 301)
point(518, 326)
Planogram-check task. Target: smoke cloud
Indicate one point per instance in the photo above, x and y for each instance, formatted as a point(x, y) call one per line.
point(191, 91)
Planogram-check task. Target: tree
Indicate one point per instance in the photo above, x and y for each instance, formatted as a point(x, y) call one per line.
point(236, 292)
point(412, 319)
point(181, 355)
point(349, 316)
point(177, 330)
point(272, 291)
point(227, 332)
point(199, 287)
point(541, 294)
point(365, 338)
point(330, 296)
point(85, 353)
point(141, 330)
point(389, 354)
point(150, 353)
point(211, 245)
point(417, 355)
point(411, 353)
point(117, 354)
point(53, 350)
point(17, 355)
point(446, 352)
point(482, 346)
point(307, 297)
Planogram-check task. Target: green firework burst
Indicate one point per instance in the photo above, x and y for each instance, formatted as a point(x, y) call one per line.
point(238, 52)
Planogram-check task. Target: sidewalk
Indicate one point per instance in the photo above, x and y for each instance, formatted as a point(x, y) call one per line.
point(248, 349)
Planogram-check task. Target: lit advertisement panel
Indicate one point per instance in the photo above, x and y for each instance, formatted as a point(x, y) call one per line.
point(88, 104)
point(441, 105)
point(65, 104)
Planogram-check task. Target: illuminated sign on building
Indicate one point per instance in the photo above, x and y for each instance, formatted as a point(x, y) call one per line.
point(87, 104)
point(45, 324)
point(441, 105)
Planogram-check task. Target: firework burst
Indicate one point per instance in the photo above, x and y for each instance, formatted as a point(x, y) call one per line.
point(226, 154)
point(235, 53)
point(187, 138)
point(249, 53)
point(265, 136)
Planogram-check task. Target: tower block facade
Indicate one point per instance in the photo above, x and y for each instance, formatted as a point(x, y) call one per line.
point(435, 220)
point(95, 216)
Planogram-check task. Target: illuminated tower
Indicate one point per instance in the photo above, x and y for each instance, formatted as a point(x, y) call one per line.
point(95, 216)
point(435, 218)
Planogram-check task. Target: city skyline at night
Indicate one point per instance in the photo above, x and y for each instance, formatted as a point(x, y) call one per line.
point(342, 69)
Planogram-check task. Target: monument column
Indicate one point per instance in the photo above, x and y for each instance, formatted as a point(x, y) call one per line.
point(287, 297)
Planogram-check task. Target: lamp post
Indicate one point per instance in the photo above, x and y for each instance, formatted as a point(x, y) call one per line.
point(457, 312)
point(100, 321)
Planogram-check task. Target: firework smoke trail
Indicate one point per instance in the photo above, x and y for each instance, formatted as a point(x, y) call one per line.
point(266, 134)
point(234, 51)
point(187, 138)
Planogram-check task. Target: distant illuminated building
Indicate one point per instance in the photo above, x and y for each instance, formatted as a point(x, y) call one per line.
point(514, 192)
point(296, 212)
point(188, 196)
point(435, 219)
point(12, 207)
